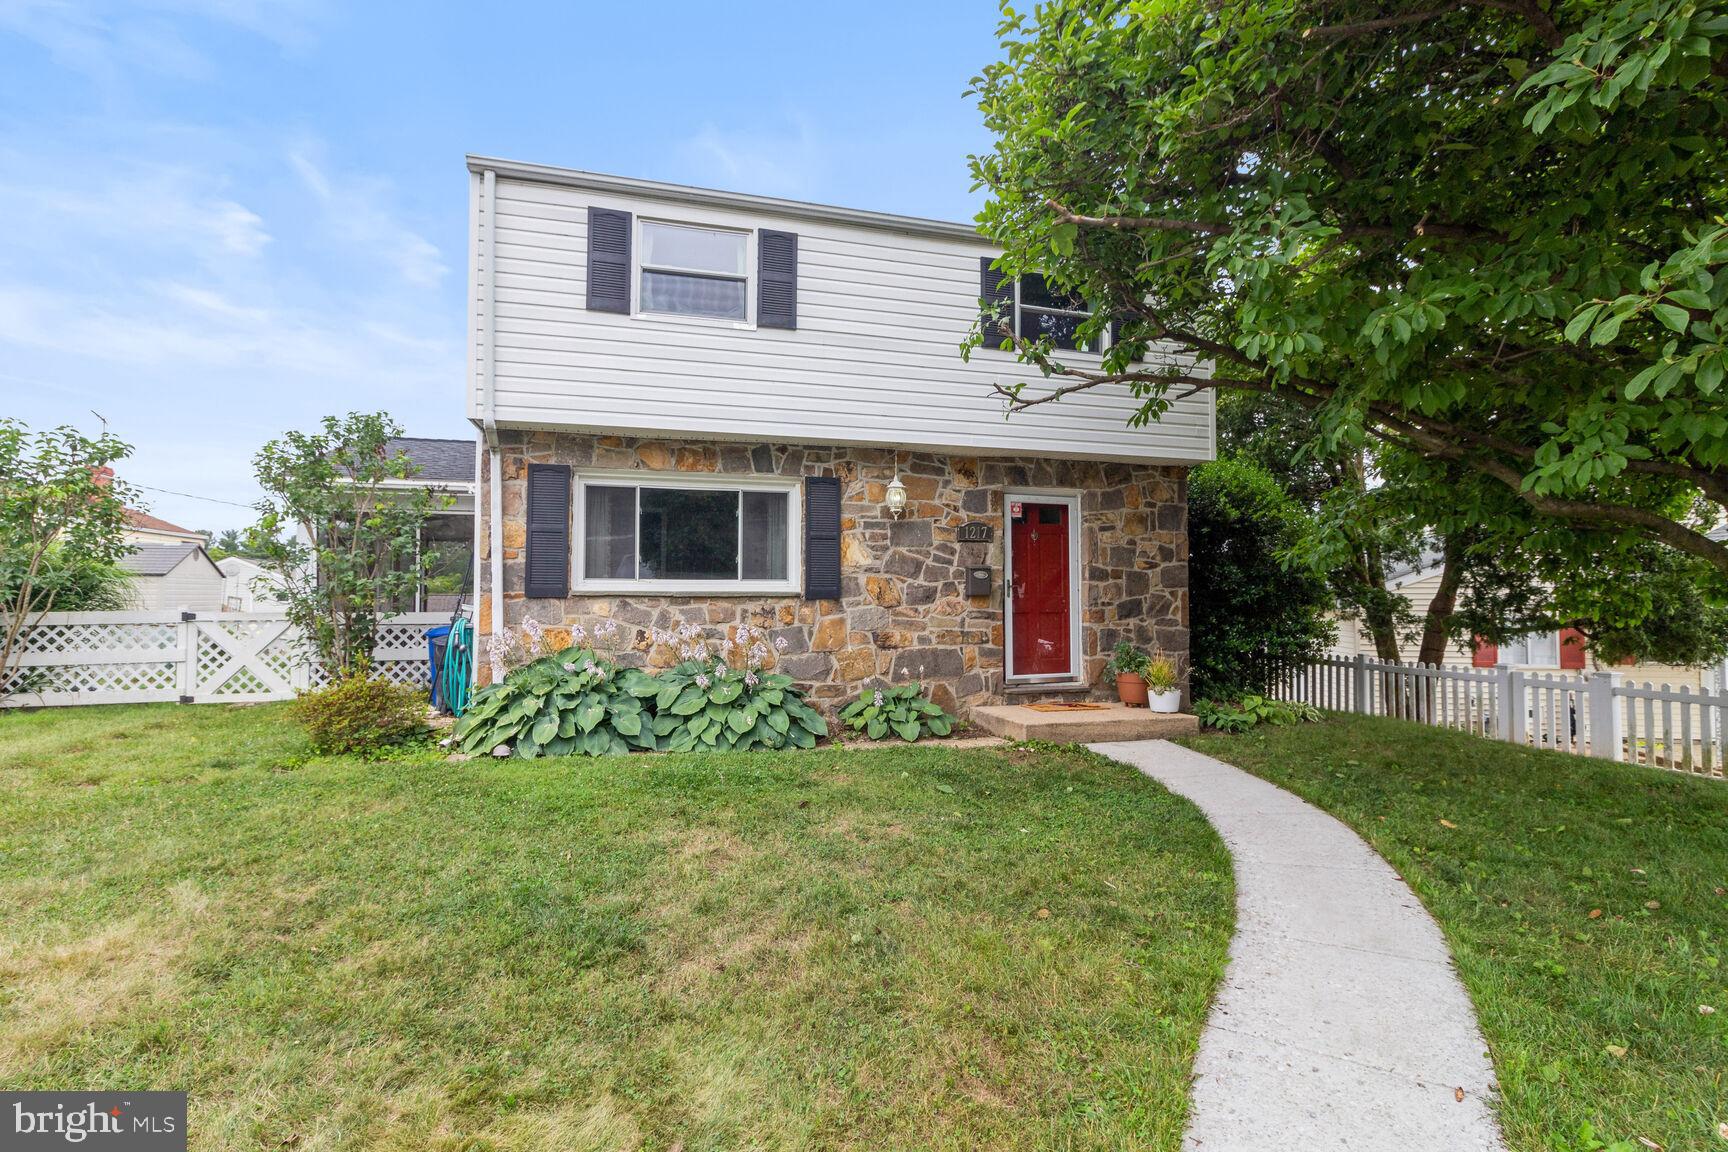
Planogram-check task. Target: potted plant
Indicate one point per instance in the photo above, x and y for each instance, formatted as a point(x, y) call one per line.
point(1163, 692)
point(1128, 665)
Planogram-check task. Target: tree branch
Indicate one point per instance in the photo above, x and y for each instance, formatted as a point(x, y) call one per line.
point(1341, 31)
point(1443, 441)
point(1422, 229)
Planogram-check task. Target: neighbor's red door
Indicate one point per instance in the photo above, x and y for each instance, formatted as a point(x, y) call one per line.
point(1039, 589)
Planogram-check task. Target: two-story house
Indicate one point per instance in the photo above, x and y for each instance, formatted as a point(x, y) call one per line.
point(714, 407)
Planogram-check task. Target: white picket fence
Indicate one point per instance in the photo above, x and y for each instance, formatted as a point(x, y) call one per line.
point(189, 657)
point(1596, 715)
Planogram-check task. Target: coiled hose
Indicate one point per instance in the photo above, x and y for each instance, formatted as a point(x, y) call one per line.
point(457, 672)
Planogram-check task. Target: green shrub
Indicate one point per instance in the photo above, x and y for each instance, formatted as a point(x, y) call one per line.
point(901, 710)
point(573, 702)
point(720, 696)
point(361, 713)
point(1252, 608)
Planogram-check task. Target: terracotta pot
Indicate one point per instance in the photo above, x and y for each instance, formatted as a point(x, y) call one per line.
point(1131, 689)
point(1170, 701)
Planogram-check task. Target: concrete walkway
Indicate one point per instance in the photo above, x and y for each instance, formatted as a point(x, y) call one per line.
point(1340, 1023)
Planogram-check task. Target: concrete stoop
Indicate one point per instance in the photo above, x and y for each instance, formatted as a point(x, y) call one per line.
point(1073, 726)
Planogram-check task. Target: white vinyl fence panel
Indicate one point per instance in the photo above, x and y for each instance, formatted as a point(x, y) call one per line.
point(1596, 715)
point(189, 657)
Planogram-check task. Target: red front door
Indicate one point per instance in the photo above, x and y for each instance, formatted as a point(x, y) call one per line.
point(1039, 589)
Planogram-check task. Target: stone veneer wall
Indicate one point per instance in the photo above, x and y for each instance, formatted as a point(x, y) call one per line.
point(903, 613)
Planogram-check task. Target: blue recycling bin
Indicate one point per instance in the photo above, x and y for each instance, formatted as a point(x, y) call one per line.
point(437, 639)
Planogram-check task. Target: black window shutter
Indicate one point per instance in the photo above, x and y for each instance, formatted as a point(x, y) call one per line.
point(997, 293)
point(608, 260)
point(547, 559)
point(821, 538)
point(777, 279)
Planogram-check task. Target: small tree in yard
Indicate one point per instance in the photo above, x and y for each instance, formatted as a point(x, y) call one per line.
point(62, 524)
point(1251, 608)
point(338, 533)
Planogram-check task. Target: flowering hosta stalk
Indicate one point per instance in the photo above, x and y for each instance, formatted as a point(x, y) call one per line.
point(574, 702)
point(900, 709)
point(720, 696)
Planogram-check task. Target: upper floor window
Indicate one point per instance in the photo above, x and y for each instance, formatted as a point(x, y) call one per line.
point(1041, 309)
point(1032, 308)
point(691, 271)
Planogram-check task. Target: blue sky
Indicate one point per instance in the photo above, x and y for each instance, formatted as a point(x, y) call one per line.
point(226, 218)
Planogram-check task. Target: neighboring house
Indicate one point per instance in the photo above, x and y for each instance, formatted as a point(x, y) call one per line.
point(247, 586)
point(447, 468)
point(143, 528)
point(174, 577)
point(1561, 651)
point(703, 406)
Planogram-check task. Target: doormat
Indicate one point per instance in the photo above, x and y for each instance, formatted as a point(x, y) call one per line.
point(1060, 706)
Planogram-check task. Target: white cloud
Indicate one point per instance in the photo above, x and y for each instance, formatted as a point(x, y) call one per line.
point(108, 41)
point(127, 206)
point(204, 288)
point(788, 162)
point(356, 213)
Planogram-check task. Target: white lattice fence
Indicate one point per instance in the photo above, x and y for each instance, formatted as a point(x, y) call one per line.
point(197, 658)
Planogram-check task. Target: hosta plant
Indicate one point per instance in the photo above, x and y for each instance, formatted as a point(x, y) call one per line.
point(573, 702)
point(900, 710)
point(720, 696)
point(1243, 714)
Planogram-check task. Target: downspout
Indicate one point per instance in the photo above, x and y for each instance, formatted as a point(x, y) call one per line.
point(489, 401)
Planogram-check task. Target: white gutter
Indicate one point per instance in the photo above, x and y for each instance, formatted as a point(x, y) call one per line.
point(489, 397)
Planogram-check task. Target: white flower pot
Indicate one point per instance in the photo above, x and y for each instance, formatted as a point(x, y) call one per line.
point(1170, 701)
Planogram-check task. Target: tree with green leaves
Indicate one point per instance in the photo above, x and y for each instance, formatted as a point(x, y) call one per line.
point(1486, 240)
point(62, 528)
point(341, 532)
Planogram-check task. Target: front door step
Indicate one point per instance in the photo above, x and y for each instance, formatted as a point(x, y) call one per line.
point(1110, 722)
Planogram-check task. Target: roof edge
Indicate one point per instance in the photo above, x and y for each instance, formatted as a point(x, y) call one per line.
point(714, 198)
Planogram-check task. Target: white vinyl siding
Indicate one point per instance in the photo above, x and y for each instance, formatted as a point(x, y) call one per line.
point(874, 360)
point(194, 585)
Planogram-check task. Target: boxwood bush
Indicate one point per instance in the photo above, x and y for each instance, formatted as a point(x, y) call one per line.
point(362, 714)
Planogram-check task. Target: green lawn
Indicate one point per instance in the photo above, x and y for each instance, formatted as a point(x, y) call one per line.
point(832, 949)
point(1585, 903)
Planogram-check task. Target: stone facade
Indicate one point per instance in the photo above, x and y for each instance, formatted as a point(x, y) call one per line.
point(903, 612)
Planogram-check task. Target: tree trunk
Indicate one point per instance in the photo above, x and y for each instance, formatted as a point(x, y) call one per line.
point(1378, 614)
point(1443, 603)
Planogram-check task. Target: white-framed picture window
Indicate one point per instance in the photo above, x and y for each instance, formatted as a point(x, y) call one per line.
point(693, 270)
point(653, 532)
point(1040, 309)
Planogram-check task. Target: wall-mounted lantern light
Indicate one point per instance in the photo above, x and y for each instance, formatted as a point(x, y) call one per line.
point(896, 498)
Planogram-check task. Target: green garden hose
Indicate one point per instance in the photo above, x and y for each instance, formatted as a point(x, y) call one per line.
point(454, 676)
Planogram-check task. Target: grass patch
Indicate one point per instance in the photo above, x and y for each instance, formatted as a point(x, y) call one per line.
point(829, 949)
point(1584, 901)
